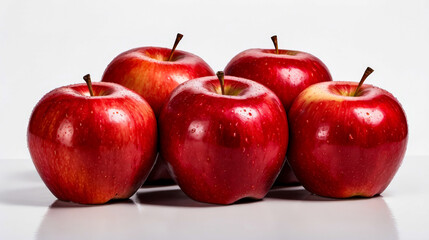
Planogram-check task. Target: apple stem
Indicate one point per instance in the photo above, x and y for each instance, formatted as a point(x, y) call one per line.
point(221, 77)
point(274, 39)
point(87, 79)
point(367, 72)
point(178, 38)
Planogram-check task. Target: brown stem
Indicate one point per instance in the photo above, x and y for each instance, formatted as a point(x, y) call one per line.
point(221, 77)
point(274, 39)
point(178, 38)
point(87, 79)
point(367, 72)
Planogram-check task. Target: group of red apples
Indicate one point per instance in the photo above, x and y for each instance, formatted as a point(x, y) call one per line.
point(222, 138)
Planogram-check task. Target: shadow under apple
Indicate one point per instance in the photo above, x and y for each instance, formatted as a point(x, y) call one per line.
point(168, 196)
point(299, 193)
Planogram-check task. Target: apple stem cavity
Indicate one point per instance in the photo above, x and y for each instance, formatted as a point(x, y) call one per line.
point(221, 76)
point(178, 38)
point(87, 79)
point(276, 45)
point(367, 72)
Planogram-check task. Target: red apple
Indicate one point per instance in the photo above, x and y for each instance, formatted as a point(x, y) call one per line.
point(223, 145)
point(91, 149)
point(344, 144)
point(285, 72)
point(153, 72)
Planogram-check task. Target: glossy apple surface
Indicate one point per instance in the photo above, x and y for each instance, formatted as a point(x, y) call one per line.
point(222, 148)
point(91, 149)
point(148, 72)
point(286, 73)
point(342, 145)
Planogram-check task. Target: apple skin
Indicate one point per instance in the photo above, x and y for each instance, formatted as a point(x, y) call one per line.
point(146, 71)
point(91, 150)
point(286, 74)
point(343, 146)
point(222, 148)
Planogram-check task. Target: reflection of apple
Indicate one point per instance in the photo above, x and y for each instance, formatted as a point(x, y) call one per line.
point(65, 220)
point(223, 143)
point(161, 211)
point(346, 140)
point(285, 72)
point(153, 72)
point(331, 218)
point(91, 149)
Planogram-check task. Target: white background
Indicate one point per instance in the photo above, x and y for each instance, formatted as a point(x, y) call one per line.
point(48, 44)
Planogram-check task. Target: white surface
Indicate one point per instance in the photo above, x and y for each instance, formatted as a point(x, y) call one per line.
point(47, 44)
point(29, 211)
